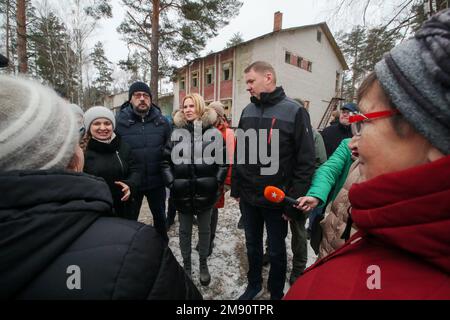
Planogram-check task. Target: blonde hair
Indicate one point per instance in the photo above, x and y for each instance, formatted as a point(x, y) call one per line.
point(199, 103)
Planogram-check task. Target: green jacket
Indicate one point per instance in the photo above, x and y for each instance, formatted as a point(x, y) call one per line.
point(319, 147)
point(330, 177)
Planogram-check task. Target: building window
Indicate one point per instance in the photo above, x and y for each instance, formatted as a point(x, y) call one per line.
point(338, 77)
point(319, 36)
point(227, 71)
point(299, 62)
point(182, 83)
point(194, 79)
point(209, 75)
point(287, 57)
point(309, 66)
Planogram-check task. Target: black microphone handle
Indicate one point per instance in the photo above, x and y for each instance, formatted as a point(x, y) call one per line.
point(291, 201)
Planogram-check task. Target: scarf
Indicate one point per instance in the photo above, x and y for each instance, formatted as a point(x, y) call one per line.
point(409, 210)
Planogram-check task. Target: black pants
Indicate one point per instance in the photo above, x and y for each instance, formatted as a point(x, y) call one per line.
point(156, 199)
point(276, 227)
point(171, 212)
point(214, 218)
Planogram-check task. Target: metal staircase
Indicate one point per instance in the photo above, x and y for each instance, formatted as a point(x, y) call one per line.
point(332, 106)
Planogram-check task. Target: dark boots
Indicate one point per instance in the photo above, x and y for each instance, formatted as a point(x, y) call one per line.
point(205, 277)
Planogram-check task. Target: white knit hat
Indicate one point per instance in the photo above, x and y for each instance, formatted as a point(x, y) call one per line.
point(98, 112)
point(38, 130)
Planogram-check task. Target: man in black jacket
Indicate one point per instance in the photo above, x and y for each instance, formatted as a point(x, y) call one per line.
point(334, 134)
point(272, 111)
point(142, 126)
point(56, 242)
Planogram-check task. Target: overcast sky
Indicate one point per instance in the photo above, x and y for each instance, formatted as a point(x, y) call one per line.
point(255, 18)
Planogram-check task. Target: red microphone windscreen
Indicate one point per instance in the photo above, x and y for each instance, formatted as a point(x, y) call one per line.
point(273, 194)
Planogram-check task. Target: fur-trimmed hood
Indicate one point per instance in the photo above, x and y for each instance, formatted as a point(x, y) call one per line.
point(208, 118)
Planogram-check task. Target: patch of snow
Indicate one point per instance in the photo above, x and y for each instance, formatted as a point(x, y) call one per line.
point(228, 263)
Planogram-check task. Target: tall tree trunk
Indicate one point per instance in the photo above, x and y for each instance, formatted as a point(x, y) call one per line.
point(22, 36)
point(8, 26)
point(154, 51)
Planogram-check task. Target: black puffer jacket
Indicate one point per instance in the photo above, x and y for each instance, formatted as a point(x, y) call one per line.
point(51, 226)
point(113, 162)
point(146, 137)
point(333, 136)
point(194, 187)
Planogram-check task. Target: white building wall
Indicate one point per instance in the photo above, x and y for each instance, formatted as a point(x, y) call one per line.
point(313, 86)
point(259, 50)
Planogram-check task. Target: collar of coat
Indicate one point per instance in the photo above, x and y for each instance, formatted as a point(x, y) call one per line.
point(269, 98)
point(208, 118)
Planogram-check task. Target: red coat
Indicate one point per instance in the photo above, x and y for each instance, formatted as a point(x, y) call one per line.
point(404, 223)
point(228, 136)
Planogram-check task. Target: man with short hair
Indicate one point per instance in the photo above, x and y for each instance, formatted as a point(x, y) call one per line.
point(142, 126)
point(334, 134)
point(271, 110)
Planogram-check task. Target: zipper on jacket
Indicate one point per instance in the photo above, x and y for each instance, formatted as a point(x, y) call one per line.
point(121, 163)
point(271, 130)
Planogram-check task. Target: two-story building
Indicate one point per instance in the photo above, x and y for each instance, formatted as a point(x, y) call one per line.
point(307, 60)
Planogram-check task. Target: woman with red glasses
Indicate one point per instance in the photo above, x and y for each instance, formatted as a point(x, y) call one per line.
point(401, 208)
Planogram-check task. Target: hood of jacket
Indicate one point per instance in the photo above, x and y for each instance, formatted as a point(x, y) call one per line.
point(408, 210)
point(208, 119)
point(41, 214)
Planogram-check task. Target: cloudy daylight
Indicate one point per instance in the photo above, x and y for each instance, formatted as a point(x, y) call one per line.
point(224, 150)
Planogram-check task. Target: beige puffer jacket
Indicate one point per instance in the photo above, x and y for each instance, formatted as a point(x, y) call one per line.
point(335, 221)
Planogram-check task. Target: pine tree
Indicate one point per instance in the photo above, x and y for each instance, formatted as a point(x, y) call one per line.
point(177, 29)
point(104, 79)
point(378, 42)
point(21, 19)
point(55, 59)
point(235, 40)
point(353, 45)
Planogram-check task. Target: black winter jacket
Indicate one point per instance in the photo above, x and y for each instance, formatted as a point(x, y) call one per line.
point(333, 136)
point(113, 162)
point(296, 154)
point(146, 137)
point(51, 226)
point(194, 187)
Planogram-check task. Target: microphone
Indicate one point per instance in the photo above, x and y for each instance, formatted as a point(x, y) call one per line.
point(276, 195)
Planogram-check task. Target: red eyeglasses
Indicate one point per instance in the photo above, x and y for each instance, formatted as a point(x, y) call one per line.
point(358, 120)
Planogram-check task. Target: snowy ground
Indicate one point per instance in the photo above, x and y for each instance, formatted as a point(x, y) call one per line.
point(228, 262)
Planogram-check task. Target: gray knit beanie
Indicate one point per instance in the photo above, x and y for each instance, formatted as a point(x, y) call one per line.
point(416, 76)
point(38, 130)
point(98, 112)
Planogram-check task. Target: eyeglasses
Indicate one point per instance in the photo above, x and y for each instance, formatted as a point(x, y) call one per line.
point(358, 120)
point(138, 95)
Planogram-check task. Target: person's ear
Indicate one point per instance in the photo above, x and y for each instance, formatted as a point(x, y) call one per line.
point(76, 164)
